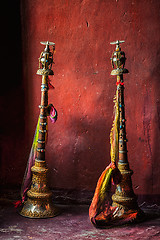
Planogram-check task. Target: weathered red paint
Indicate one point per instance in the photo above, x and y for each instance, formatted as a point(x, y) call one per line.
point(78, 144)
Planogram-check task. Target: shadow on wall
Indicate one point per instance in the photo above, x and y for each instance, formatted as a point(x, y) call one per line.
point(12, 105)
point(85, 153)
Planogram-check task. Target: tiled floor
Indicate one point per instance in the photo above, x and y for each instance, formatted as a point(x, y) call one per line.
point(72, 223)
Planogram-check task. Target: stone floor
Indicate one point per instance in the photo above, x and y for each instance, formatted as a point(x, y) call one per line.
point(73, 223)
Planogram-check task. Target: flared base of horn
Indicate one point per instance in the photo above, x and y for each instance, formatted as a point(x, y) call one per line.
point(39, 208)
point(124, 197)
point(127, 208)
point(39, 202)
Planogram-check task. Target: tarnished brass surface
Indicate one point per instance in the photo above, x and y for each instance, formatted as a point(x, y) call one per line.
point(119, 71)
point(118, 60)
point(39, 202)
point(39, 208)
point(45, 72)
point(124, 197)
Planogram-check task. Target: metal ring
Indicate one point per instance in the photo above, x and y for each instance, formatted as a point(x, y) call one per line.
point(42, 131)
point(43, 107)
point(42, 117)
point(43, 85)
point(40, 141)
point(121, 151)
point(43, 123)
point(40, 150)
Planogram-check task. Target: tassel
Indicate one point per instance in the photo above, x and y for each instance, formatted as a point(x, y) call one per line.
point(17, 203)
point(50, 86)
point(31, 160)
point(100, 210)
point(101, 193)
point(52, 113)
point(27, 179)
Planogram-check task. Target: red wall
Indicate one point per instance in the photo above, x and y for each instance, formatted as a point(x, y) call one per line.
point(78, 144)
